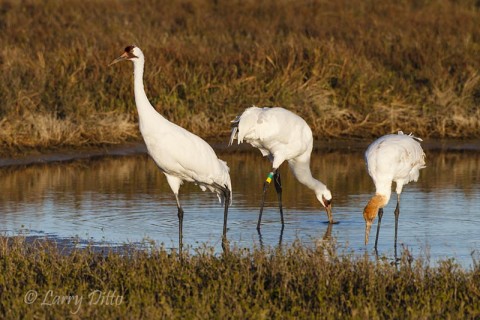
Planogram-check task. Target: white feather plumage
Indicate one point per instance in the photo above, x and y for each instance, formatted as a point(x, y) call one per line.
point(392, 158)
point(181, 155)
point(281, 136)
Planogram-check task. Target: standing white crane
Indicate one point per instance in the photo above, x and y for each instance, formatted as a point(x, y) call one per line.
point(181, 155)
point(282, 136)
point(393, 157)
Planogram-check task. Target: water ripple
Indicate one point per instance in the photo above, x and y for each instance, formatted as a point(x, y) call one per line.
point(127, 199)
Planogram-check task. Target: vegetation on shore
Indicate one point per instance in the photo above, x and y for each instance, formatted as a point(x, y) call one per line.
point(37, 279)
point(349, 67)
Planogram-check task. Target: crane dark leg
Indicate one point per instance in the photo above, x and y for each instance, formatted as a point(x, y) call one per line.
point(278, 186)
point(225, 218)
point(225, 212)
point(397, 214)
point(180, 224)
point(266, 183)
point(280, 239)
point(180, 228)
point(380, 215)
point(260, 238)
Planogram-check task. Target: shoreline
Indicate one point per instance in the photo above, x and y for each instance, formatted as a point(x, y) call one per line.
point(135, 148)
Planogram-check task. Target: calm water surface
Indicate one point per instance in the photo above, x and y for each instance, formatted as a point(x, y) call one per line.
point(127, 200)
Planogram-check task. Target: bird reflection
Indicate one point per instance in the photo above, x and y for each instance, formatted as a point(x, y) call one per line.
point(327, 236)
point(280, 238)
point(225, 244)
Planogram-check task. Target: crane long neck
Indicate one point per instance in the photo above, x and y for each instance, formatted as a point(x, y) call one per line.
point(143, 105)
point(384, 188)
point(301, 170)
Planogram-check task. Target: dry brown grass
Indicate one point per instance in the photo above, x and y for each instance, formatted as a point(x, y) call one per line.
point(45, 130)
point(295, 282)
point(351, 68)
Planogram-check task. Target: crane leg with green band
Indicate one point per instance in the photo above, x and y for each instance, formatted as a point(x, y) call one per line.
point(275, 176)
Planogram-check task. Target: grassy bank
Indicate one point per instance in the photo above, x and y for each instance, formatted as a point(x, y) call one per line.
point(351, 68)
point(36, 278)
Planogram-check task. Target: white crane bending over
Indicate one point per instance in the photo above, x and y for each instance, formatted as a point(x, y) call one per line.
point(282, 136)
point(393, 157)
point(181, 155)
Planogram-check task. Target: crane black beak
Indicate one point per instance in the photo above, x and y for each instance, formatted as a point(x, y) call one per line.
point(121, 58)
point(328, 209)
point(368, 226)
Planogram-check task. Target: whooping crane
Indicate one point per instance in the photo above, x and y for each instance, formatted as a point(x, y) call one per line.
point(181, 155)
point(393, 157)
point(282, 136)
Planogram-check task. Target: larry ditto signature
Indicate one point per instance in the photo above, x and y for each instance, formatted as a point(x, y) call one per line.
point(95, 297)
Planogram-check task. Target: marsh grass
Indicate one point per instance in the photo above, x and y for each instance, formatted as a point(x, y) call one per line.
point(351, 68)
point(296, 281)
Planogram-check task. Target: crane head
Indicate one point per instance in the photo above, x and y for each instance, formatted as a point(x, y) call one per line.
point(131, 52)
point(371, 211)
point(325, 199)
point(368, 226)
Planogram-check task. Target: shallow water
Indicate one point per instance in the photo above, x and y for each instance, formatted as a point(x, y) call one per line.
point(126, 199)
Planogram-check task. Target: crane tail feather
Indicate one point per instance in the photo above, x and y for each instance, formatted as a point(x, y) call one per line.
point(233, 135)
point(411, 135)
point(234, 127)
